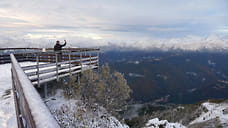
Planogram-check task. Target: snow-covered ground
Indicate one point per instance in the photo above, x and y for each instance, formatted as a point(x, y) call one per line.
point(7, 107)
point(132, 111)
point(214, 111)
point(216, 116)
point(74, 113)
point(156, 123)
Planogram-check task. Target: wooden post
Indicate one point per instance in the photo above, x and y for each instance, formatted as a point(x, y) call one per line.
point(79, 81)
point(81, 59)
point(49, 57)
point(69, 61)
point(57, 68)
point(16, 102)
point(90, 59)
point(37, 69)
point(1, 56)
point(98, 59)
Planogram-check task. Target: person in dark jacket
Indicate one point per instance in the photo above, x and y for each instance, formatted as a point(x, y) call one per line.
point(58, 50)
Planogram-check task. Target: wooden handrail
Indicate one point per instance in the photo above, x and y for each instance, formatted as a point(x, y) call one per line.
point(30, 55)
point(30, 109)
point(71, 49)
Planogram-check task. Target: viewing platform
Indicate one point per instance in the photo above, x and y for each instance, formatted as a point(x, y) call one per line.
point(30, 109)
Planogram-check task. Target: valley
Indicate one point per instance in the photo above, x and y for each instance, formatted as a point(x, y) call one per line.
point(172, 77)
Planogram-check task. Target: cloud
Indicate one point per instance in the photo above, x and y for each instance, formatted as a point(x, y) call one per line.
point(128, 23)
point(212, 43)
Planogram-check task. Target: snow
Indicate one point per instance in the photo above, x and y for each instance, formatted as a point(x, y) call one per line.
point(133, 111)
point(191, 74)
point(156, 123)
point(214, 111)
point(211, 63)
point(75, 113)
point(41, 114)
point(7, 106)
point(135, 75)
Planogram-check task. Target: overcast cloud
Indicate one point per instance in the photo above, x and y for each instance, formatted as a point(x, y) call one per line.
point(90, 23)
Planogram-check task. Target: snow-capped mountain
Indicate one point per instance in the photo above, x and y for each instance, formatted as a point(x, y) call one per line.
point(212, 43)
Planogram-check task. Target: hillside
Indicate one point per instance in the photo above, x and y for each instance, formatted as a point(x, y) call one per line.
point(212, 113)
point(172, 77)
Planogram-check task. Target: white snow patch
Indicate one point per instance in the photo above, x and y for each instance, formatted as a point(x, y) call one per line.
point(135, 75)
point(7, 106)
point(211, 63)
point(155, 123)
point(191, 74)
point(214, 111)
point(132, 111)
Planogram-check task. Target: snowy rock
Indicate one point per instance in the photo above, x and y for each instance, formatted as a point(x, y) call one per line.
point(155, 123)
point(214, 111)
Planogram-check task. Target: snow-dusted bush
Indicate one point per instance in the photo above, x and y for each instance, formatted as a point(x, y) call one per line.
point(108, 89)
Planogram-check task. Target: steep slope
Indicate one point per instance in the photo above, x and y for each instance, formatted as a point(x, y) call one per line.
point(204, 115)
point(183, 78)
point(217, 115)
point(75, 113)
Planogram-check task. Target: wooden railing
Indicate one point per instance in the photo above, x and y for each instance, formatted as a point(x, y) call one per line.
point(47, 68)
point(29, 54)
point(71, 63)
point(30, 110)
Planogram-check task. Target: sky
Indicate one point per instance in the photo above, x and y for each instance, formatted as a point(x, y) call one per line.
point(95, 23)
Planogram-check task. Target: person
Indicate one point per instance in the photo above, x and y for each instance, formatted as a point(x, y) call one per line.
point(58, 50)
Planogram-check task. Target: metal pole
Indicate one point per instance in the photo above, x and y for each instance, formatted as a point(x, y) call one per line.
point(57, 68)
point(37, 69)
point(45, 90)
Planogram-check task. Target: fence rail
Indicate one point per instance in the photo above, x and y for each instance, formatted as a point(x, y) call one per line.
point(30, 109)
point(29, 54)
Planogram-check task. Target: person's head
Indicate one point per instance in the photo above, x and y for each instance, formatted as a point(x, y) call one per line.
point(57, 42)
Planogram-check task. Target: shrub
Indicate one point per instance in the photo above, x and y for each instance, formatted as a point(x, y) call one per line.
point(108, 89)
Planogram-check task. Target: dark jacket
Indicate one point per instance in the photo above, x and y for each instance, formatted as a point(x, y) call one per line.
point(58, 47)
